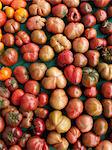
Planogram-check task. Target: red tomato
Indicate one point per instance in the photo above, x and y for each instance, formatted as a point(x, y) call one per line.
point(43, 99)
point(16, 4)
point(15, 147)
point(16, 96)
point(73, 74)
point(91, 92)
point(106, 90)
point(28, 102)
point(2, 18)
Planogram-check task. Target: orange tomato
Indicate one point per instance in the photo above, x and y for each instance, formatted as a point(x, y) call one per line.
point(21, 15)
point(1, 48)
point(0, 34)
point(9, 11)
point(5, 73)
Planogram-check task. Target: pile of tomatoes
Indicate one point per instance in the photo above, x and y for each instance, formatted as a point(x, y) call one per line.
point(61, 96)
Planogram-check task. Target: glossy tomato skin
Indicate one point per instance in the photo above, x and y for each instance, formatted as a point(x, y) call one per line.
point(39, 126)
point(32, 87)
point(11, 84)
point(85, 8)
point(2, 18)
point(74, 91)
point(36, 143)
point(90, 33)
point(21, 74)
point(28, 102)
point(16, 96)
point(9, 57)
point(43, 99)
point(106, 90)
point(89, 20)
point(73, 74)
point(16, 4)
point(102, 3)
point(8, 39)
point(91, 92)
point(100, 15)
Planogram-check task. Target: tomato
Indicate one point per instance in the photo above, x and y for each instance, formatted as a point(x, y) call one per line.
point(21, 74)
point(4, 92)
point(97, 42)
point(89, 20)
point(6, 2)
point(28, 102)
point(74, 91)
point(5, 73)
point(15, 147)
point(0, 5)
point(101, 3)
point(16, 4)
point(85, 8)
point(2, 124)
point(11, 84)
point(21, 15)
point(43, 99)
point(9, 12)
point(2, 18)
point(8, 39)
point(91, 92)
point(1, 47)
point(106, 90)
point(36, 143)
point(16, 96)
point(39, 126)
point(9, 57)
point(73, 74)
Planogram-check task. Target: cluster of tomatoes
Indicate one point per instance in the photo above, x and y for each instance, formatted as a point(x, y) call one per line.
point(62, 94)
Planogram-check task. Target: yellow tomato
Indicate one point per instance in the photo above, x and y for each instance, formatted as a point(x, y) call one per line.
point(9, 12)
point(1, 48)
point(5, 73)
point(21, 15)
point(0, 5)
point(0, 34)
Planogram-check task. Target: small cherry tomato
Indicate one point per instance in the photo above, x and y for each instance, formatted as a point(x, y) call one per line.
point(9, 11)
point(106, 89)
point(2, 124)
point(5, 73)
point(91, 92)
point(21, 15)
point(16, 97)
point(43, 99)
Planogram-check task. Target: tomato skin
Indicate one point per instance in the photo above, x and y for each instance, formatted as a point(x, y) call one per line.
point(8, 39)
point(16, 4)
point(4, 92)
point(89, 20)
point(74, 91)
point(11, 84)
point(9, 57)
point(36, 143)
point(102, 3)
point(91, 92)
point(28, 102)
point(3, 18)
point(6, 2)
point(39, 126)
point(16, 96)
point(32, 87)
point(106, 90)
point(85, 8)
point(15, 147)
point(2, 124)
point(43, 99)
point(5, 73)
point(73, 74)
point(21, 74)
point(97, 42)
